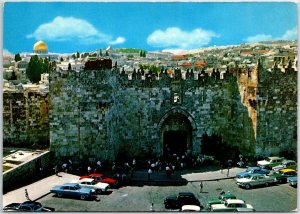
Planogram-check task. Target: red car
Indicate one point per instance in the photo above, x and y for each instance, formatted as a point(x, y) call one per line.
point(101, 178)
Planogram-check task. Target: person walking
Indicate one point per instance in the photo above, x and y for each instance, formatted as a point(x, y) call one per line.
point(149, 174)
point(56, 170)
point(152, 207)
point(201, 186)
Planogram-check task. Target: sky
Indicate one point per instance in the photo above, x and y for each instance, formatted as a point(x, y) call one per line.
point(68, 27)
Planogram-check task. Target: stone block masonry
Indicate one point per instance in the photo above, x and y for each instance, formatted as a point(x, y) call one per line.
point(100, 114)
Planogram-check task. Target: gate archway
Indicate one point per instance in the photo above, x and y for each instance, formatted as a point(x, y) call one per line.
point(176, 132)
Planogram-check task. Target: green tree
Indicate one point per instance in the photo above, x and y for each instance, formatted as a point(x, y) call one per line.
point(77, 54)
point(106, 53)
point(35, 69)
point(61, 59)
point(69, 67)
point(18, 57)
point(13, 76)
point(101, 53)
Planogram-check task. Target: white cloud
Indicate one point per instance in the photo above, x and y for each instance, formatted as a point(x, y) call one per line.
point(119, 40)
point(176, 38)
point(7, 52)
point(70, 28)
point(259, 38)
point(288, 35)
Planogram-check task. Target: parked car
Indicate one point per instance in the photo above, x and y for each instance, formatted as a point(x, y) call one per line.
point(190, 208)
point(183, 198)
point(230, 205)
point(287, 164)
point(91, 183)
point(72, 189)
point(283, 174)
point(292, 181)
point(252, 170)
point(28, 206)
point(255, 180)
point(101, 178)
point(222, 198)
point(270, 162)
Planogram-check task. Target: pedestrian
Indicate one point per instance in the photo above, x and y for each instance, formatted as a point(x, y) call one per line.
point(89, 170)
point(56, 170)
point(201, 186)
point(26, 195)
point(149, 173)
point(152, 208)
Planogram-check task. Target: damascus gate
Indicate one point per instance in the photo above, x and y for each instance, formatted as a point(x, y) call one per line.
point(103, 111)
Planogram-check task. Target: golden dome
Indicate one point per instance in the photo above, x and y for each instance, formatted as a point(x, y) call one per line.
point(40, 46)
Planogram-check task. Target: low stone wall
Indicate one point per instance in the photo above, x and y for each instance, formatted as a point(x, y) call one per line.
point(26, 171)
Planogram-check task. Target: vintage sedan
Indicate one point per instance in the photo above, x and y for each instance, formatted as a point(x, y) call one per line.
point(287, 164)
point(282, 175)
point(252, 170)
point(230, 205)
point(270, 162)
point(292, 181)
point(221, 200)
point(92, 184)
point(183, 198)
point(28, 206)
point(72, 189)
point(101, 178)
point(255, 180)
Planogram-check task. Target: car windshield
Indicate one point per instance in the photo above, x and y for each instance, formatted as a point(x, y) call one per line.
point(93, 182)
point(268, 159)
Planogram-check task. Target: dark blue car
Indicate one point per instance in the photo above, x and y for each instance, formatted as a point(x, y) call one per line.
point(251, 170)
point(27, 206)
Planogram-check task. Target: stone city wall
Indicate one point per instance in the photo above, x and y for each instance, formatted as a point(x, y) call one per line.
point(100, 114)
point(277, 112)
point(26, 118)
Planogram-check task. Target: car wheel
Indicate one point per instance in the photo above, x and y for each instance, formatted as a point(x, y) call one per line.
point(247, 186)
point(82, 197)
point(59, 195)
point(267, 184)
point(167, 206)
point(99, 191)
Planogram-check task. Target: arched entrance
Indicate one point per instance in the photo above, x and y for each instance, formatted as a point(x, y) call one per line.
point(176, 134)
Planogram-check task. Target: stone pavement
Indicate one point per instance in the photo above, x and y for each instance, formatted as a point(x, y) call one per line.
point(42, 187)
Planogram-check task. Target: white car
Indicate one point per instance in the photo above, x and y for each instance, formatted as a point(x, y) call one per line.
point(91, 183)
point(255, 180)
point(230, 205)
point(270, 162)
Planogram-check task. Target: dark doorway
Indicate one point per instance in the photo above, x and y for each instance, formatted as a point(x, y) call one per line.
point(175, 142)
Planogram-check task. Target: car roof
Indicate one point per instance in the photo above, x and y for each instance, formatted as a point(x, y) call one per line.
point(287, 170)
point(30, 203)
point(70, 184)
point(190, 208)
point(256, 174)
point(275, 158)
point(186, 193)
point(239, 201)
point(87, 179)
point(96, 174)
point(289, 161)
point(254, 167)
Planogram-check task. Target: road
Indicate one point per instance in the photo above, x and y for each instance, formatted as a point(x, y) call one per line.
point(276, 198)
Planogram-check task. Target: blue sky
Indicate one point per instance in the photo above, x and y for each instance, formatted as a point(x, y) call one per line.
point(85, 26)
